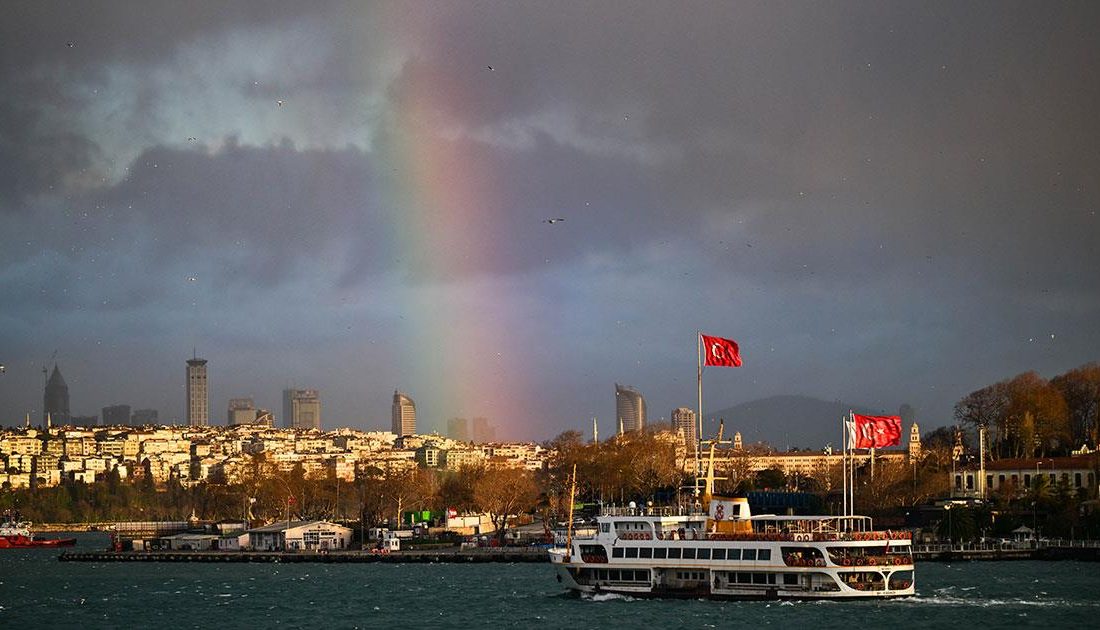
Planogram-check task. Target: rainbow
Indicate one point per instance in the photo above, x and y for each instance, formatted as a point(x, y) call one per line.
point(445, 213)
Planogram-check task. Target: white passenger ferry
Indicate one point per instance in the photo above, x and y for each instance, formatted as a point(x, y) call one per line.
point(721, 551)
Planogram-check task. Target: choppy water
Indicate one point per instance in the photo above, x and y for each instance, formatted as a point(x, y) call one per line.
point(37, 591)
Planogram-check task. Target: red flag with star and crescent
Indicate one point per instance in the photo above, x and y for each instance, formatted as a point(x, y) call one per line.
point(720, 352)
point(877, 431)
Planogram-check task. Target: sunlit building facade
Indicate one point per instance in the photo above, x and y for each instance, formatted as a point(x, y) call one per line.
point(404, 415)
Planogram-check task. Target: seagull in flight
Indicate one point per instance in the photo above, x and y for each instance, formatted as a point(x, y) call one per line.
point(490, 68)
point(280, 103)
point(553, 221)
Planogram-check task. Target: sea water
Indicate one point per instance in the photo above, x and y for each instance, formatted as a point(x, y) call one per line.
point(38, 591)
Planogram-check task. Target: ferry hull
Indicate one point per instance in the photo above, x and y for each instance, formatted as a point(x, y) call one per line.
point(705, 591)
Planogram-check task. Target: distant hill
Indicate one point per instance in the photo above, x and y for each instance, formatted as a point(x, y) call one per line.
point(784, 421)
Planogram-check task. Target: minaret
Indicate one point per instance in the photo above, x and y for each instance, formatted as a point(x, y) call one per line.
point(595, 431)
point(737, 445)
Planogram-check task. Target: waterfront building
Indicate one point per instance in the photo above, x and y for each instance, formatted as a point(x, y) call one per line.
point(403, 414)
point(683, 421)
point(55, 400)
point(629, 408)
point(1016, 476)
point(142, 417)
point(301, 409)
point(116, 415)
point(198, 403)
point(241, 411)
point(299, 535)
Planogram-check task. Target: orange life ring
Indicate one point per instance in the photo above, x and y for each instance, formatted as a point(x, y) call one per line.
point(847, 562)
point(899, 561)
point(860, 562)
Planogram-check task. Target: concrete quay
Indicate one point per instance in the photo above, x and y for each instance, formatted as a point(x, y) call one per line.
point(399, 557)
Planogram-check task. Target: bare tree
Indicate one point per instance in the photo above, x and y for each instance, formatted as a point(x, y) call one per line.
point(505, 492)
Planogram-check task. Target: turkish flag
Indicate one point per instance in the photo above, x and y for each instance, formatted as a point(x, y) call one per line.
point(720, 352)
point(877, 431)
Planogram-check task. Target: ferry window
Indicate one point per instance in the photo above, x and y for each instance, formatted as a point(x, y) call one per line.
point(613, 575)
point(605, 527)
point(989, 481)
point(660, 552)
point(744, 578)
point(748, 554)
point(603, 574)
point(674, 552)
point(617, 552)
point(702, 554)
point(734, 554)
point(758, 578)
point(689, 553)
point(764, 554)
point(1027, 480)
point(790, 578)
point(771, 578)
point(1077, 480)
point(958, 482)
point(645, 552)
point(970, 482)
point(719, 554)
point(631, 552)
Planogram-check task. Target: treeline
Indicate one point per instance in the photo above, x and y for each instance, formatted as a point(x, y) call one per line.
point(1029, 416)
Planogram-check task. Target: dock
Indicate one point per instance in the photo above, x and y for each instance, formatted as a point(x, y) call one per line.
point(399, 557)
point(1061, 550)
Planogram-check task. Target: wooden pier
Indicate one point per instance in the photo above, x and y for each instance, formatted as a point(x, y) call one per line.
point(400, 557)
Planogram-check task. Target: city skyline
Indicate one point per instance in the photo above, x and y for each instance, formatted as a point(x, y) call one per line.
point(887, 204)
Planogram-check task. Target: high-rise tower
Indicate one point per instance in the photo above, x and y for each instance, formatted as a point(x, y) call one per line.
point(301, 409)
point(55, 401)
point(404, 414)
point(629, 408)
point(683, 419)
point(198, 401)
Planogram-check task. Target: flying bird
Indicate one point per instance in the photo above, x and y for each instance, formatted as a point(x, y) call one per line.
point(280, 103)
point(490, 68)
point(70, 43)
point(553, 221)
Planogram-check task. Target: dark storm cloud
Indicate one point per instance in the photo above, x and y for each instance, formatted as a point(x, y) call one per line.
point(835, 183)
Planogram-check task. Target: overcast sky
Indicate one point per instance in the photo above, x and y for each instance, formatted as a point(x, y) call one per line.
point(882, 203)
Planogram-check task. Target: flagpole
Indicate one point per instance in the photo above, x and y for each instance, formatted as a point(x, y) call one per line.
point(699, 420)
point(852, 469)
point(844, 463)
